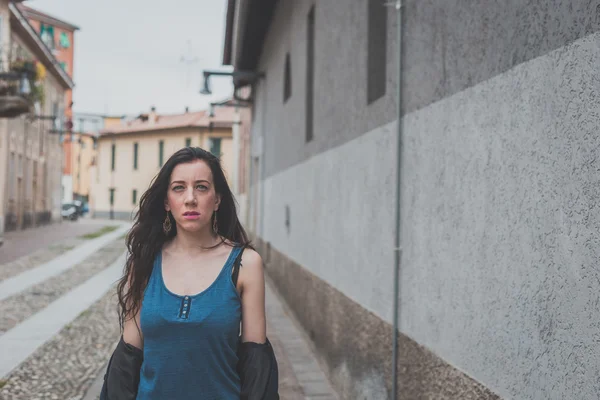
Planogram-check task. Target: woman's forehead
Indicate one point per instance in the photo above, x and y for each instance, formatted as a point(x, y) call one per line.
point(192, 171)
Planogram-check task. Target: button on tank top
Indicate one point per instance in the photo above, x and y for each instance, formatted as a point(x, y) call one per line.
point(190, 342)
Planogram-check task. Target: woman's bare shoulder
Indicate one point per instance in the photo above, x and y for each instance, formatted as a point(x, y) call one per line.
point(251, 267)
point(251, 258)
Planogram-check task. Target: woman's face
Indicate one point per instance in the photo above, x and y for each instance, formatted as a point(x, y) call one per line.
point(191, 196)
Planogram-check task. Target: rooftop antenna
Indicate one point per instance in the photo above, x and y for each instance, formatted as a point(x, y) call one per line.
point(189, 61)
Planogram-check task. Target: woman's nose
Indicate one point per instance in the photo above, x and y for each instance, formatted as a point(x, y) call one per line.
point(190, 197)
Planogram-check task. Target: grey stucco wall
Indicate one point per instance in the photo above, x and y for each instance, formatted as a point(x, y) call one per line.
point(449, 46)
point(501, 221)
point(340, 107)
point(501, 183)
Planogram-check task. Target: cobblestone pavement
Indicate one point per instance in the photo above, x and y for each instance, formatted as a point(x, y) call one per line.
point(64, 367)
point(19, 307)
point(70, 366)
point(39, 257)
point(21, 243)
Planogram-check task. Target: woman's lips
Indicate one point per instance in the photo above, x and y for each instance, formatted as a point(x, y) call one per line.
point(191, 215)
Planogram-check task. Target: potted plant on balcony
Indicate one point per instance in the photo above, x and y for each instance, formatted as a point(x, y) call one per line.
point(21, 87)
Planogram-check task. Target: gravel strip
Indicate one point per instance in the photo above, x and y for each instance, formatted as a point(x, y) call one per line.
point(39, 257)
point(64, 367)
point(16, 309)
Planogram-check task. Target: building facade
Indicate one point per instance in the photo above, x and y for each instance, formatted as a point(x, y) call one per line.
point(82, 157)
point(241, 145)
point(30, 149)
point(131, 153)
point(499, 222)
point(59, 37)
point(83, 148)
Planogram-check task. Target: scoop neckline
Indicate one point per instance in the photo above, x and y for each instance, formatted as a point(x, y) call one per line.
point(191, 296)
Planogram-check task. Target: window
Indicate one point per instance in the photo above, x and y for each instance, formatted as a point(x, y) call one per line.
point(11, 173)
point(57, 121)
point(64, 41)
point(188, 142)
point(287, 79)
point(134, 196)
point(161, 152)
point(215, 146)
point(112, 196)
point(47, 35)
point(1, 29)
point(310, 72)
point(113, 151)
point(376, 50)
point(135, 155)
point(42, 139)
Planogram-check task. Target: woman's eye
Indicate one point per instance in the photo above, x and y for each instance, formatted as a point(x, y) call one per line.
point(178, 187)
point(201, 187)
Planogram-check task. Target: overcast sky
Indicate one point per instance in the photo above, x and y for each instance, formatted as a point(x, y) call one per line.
point(128, 53)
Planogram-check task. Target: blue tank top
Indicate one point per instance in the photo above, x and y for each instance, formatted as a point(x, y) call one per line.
point(190, 342)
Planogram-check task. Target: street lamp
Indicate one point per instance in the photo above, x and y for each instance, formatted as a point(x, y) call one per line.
point(239, 79)
point(206, 89)
point(25, 86)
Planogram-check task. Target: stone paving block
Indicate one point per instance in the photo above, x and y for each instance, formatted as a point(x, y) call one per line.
point(22, 243)
point(67, 365)
point(306, 369)
point(16, 284)
point(312, 388)
point(32, 260)
point(19, 343)
point(17, 308)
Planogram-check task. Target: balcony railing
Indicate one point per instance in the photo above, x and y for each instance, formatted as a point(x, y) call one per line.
point(18, 88)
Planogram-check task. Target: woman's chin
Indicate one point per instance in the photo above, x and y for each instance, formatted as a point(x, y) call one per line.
point(191, 226)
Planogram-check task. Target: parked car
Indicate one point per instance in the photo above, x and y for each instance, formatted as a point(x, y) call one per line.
point(82, 207)
point(69, 211)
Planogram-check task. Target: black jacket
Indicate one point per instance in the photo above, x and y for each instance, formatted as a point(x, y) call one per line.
point(257, 367)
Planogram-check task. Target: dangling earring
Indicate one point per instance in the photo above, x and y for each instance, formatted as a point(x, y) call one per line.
point(167, 224)
point(215, 225)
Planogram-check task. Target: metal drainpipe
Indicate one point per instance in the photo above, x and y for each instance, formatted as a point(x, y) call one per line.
point(262, 162)
point(398, 242)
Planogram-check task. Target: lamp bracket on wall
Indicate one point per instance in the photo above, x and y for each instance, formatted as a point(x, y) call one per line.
point(240, 79)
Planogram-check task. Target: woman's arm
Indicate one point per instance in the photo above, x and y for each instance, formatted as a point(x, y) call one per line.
point(132, 330)
point(131, 334)
point(252, 286)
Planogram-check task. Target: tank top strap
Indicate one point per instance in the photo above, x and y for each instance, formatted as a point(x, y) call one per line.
point(232, 258)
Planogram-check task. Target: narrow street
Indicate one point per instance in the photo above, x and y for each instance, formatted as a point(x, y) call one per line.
point(64, 234)
point(58, 321)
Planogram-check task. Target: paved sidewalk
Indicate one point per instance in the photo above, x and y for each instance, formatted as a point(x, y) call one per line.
point(21, 243)
point(18, 283)
point(19, 343)
point(300, 376)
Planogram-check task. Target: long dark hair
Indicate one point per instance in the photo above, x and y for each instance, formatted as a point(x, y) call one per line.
point(147, 237)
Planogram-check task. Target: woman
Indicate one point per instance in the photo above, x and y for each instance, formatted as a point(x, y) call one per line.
point(177, 299)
